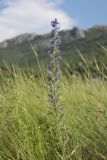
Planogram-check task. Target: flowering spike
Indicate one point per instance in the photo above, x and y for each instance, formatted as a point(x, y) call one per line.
point(54, 68)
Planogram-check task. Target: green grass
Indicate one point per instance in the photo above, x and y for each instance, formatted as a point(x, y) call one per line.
point(29, 132)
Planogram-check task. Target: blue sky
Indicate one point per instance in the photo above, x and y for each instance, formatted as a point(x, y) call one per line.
point(87, 12)
point(2, 4)
point(21, 16)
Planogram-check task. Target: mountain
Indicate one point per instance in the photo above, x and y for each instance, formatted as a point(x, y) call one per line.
point(89, 42)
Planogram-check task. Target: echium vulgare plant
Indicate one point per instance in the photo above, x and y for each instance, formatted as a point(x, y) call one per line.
point(54, 72)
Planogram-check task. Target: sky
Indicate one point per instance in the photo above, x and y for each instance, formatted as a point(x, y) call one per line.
point(28, 16)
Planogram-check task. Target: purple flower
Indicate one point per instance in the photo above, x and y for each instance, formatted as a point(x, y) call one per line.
point(54, 23)
point(49, 53)
point(52, 62)
point(52, 41)
point(49, 68)
point(56, 100)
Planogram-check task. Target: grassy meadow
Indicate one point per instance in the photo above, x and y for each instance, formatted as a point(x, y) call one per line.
point(29, 132)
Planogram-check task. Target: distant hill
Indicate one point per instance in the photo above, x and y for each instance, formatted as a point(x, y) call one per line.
point(18, 51)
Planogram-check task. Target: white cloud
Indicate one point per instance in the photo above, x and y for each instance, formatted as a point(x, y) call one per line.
point(23, 16)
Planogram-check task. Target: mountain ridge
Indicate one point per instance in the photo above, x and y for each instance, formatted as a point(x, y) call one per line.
point(17, 50)
point(34, 34)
